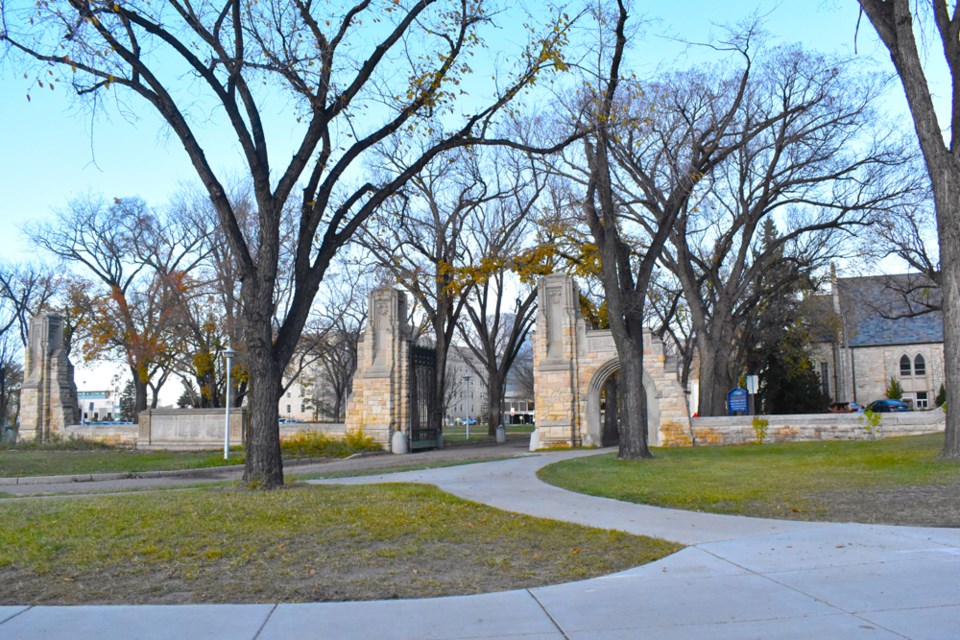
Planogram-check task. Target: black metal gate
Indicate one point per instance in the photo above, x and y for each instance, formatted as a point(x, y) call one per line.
point(425, 427)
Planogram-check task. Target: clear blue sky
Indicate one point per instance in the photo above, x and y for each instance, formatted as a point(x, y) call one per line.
point(53, 151)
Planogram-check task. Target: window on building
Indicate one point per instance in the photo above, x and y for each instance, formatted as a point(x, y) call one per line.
point(919, 366)
point(921, 401)
point(303, 407)
point(904, 365)
point(288, 409)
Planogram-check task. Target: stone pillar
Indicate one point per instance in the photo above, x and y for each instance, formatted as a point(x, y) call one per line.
point(554, 361)
point(48, 397)
point(378, 402)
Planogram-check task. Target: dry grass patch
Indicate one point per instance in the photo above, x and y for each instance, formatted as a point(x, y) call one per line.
point(302, 543)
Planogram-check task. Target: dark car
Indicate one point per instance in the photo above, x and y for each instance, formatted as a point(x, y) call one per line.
point(888, 406)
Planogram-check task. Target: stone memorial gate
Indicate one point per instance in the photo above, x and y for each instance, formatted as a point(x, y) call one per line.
point(571, 365)
point(48, 397)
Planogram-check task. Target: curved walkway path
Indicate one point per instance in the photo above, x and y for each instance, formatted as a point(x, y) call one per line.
point(740, 578)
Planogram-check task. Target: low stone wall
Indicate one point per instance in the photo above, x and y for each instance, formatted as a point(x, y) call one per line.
point(288, 429)
point(817, 426)
point(189, 428)
point(118, 435)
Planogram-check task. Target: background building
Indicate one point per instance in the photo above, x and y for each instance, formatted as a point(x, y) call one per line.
point(883, 328)
point(98, 405)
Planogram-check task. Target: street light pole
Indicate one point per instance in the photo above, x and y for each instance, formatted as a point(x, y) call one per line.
point(466, 409)
point(228, 354)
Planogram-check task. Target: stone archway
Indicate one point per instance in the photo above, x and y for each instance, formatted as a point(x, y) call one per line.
point(593, 424)
point(571, 362)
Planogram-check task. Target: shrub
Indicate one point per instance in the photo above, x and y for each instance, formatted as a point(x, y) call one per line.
point(872, 419)
point(318, 444)
point(760, 428)
point(941, 398)
point(894, 390)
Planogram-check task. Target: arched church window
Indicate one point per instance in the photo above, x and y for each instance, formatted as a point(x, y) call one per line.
point(904, 365)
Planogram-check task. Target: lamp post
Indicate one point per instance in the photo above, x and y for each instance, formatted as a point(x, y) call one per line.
point(228, 354)
point(466, 410)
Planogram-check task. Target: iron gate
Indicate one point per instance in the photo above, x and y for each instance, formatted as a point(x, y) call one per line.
point(425, 429)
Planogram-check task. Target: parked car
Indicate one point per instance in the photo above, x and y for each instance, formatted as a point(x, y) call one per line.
point(888, 406)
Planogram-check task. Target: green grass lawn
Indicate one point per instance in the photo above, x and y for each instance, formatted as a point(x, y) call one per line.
point(78, 456)
point(478, 433)
point(856, 481)
point(54, 462)
point(301, 543)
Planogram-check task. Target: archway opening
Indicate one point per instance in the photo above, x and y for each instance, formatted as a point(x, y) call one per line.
point(610, 411)
point(603, 413)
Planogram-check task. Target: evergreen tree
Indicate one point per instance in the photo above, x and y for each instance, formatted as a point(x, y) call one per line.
point(791, 383)
point(776, 338)
point(894, 390)
point(127, 402)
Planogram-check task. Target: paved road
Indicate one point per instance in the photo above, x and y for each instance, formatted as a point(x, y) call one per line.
point(740, 578)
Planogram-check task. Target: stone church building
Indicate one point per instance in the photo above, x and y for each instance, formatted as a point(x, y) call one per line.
point(878, 328)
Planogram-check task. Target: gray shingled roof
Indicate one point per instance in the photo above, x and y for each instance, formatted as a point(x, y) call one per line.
point(888, 310)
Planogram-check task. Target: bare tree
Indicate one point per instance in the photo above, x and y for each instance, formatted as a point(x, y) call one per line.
point(421, 238)
point(25, 290)
point(804, 154)
point(128, 308)
point(665, 157)
point(358, 75)
point(501, 241)
point(894, 22)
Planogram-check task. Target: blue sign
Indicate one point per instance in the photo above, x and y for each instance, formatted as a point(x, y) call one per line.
point(737, 401)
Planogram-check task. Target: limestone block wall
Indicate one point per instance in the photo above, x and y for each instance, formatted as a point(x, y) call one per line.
point(117, 435)
point(190, 428)
point(862, 374)
point(377, 403)
point(806, 427)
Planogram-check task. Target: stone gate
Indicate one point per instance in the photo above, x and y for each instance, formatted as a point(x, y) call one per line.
point(378, 403)
point(571, 363)
point(48, 397)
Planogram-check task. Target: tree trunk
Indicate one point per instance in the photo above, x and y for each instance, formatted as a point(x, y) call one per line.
point(893, 21)
point(633, 402)
point(264, 465)
point(494, 398)
point(715, 377)
point(611, 414)
point(139, 394)
point(946, 180)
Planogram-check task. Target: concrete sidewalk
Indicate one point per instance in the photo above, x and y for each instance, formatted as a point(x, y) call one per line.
point(741, 578)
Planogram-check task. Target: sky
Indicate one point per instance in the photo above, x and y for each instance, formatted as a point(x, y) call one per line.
point(52, 150)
